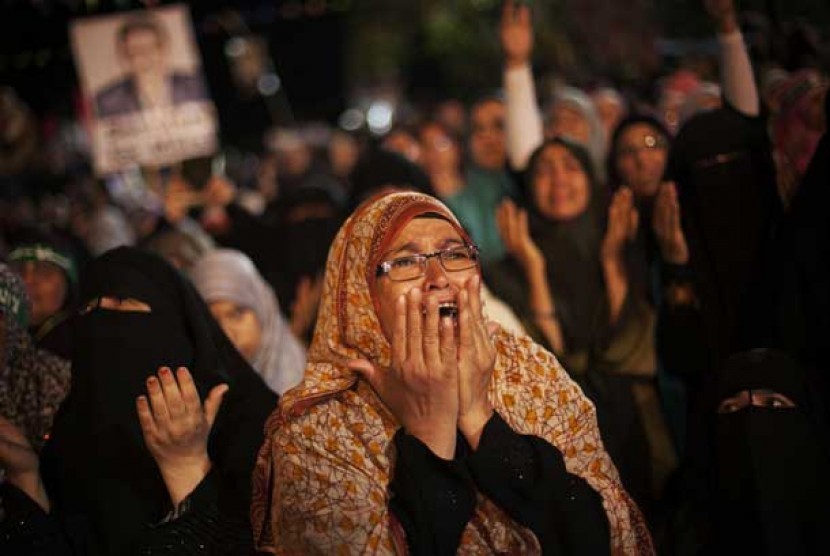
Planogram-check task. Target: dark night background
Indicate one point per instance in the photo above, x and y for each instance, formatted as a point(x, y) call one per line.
point(327, 51)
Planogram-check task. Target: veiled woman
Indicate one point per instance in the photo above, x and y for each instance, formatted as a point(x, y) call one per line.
point(421, 428)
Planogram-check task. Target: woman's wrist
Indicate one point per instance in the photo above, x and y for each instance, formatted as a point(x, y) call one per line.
point(183, 477)
point(439, 440)
point(472, 424)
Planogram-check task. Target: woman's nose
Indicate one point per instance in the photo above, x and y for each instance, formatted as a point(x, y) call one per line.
point(435, 277)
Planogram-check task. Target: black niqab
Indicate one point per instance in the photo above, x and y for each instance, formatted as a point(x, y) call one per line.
point(97, 468)
point(769, 472)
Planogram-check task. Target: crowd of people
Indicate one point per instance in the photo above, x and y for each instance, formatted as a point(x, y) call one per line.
point(588, 325)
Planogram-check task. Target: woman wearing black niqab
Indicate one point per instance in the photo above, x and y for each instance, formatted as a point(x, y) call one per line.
point(98, 471)
point(760, 475)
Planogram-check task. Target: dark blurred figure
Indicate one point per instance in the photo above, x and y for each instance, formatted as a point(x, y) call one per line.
point(800, 263)
point(49, 269)
point(129, 468)
point(33, 382)
point(723, 167)
point(758, 477)
point(384, 168)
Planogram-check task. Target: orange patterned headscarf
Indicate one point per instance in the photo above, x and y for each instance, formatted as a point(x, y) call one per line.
point(321, 481)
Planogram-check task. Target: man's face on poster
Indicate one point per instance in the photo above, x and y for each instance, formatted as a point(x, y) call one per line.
point(144, 52)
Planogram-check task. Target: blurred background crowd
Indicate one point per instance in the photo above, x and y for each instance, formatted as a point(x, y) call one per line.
point(646, 182)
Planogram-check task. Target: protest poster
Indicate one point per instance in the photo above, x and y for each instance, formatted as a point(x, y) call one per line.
point(141, 75)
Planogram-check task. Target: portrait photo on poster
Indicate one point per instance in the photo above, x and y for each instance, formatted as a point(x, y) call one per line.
point(141, 76)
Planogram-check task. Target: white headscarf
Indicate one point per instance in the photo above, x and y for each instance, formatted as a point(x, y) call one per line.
point(229, 275)
point(582, 103)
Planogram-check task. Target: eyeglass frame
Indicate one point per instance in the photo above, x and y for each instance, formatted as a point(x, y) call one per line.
point(385, 267)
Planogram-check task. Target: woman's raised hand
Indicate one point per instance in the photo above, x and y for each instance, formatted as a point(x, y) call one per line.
point(515, 233)
point(176, 426)
point(724, 14)
point(476, 361)
point(623, 220)
point(421, 387)
point(516, 33)
point(667, 226)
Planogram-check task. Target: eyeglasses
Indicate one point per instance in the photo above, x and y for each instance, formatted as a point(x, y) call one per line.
point(650, 143)
point(414, 266)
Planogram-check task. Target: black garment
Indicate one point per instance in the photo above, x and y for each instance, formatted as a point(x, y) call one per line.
point(759, 478)
point(25, 529)
point(524, 475)
point(722, 164)
point(378, 169)
point(800, 263)
point(284, 252)
point(98, 472)
point(432, 498)
point(199, 525)
point(55, 335)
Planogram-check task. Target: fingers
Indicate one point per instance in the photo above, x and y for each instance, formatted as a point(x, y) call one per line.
point(189, 393)
point(432, 344)
point(172, 394)
point(365, 369)
point(157, 402)
point(145, 418)
point(633, 223)
point(399, 333)
point(465, 322)
point(448, 346)
point(414, 325)
point(214, 402)
point(473, 286)
point(507, 11)
point(666, 210)
point(523, 227)
point(523, 15)
point(481, 333)
point(504, 223)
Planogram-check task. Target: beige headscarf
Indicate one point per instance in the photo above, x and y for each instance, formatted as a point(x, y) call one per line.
point(321, 483)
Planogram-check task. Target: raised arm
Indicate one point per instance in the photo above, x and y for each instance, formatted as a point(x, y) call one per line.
point(737, 79)
point(523, 120)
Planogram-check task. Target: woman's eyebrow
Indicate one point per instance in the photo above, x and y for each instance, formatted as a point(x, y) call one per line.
point(451, 241)
point(411, 246)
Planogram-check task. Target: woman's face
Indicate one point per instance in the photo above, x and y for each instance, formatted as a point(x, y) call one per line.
point(439, 153)
point(240, 325)
point(641, 159)
point(560, 185)
point(421, 236)
point(567, 121)
point(487, 137)
point(46, 286)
